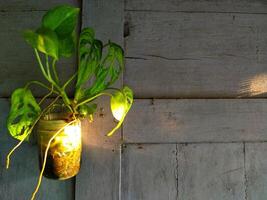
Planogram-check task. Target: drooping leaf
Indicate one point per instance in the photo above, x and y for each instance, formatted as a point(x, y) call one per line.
point(45, 40)
point(23, 113)
point(120, 104)
point(61, 19)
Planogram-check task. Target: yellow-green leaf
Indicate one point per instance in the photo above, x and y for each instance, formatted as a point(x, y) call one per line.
point(23, 113)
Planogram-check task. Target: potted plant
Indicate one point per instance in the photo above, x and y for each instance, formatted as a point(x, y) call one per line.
point(59, 124)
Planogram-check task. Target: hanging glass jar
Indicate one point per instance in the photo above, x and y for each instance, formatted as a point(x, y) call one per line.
point(64, 152)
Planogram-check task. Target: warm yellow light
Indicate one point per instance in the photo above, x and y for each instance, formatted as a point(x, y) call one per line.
point(72, 136)
point(119, 112)
point(254, 86)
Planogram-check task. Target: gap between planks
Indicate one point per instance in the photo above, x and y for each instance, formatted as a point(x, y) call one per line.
point(198, 142)
point(192, 12)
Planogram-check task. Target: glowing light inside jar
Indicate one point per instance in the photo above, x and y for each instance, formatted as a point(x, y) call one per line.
point(72, 137)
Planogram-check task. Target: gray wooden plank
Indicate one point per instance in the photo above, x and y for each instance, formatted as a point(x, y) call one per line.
point(256, 6)
point(196, 120)
point(18, 64)
point(101, 155)
point(19, 5)
point(256, 169)
point(195, 55)
point(149, 172)
point(100, 158)
point(211, 171)
point(20, 180)
point(106, 18)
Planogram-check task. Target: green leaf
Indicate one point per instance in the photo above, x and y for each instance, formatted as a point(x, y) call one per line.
point(23, 113)
point(108, 71)
point(90, 53)
point(61, 19)
point(87, 109)
point(45, 40)
point(66, 46)
point(120, 103)
point(114, 61)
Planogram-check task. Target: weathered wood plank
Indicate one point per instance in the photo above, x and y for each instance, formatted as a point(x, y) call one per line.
point(211, 171)
point(101, 158)
point(106, 18)
point(256, 169)
point(248, 6)
point(222, 120)
point(149, 172)
point(101, 155)
point(195, 55)
point(20, 180)
point(21, 5)
point(17, 62)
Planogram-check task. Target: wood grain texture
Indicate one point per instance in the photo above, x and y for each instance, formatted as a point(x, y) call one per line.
point(17, 62)
point(211, 171)
point(100, 174)
point(246, 6)
point(106, 18)
point(220, 120)
point(196, 55)
point(21, 5)
point(256, 169)
point(149, 172)
point(20, 180)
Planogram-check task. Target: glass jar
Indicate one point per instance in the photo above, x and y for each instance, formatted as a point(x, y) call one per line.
point(64, 154)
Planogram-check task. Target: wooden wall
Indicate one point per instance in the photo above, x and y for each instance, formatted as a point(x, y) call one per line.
point(197, 129)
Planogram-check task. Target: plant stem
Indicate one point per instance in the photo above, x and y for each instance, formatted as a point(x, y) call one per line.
point(47, 66)
point(12, 151)
point(55, 71)
point(92, 98)
point(45, 158)
point(40, 84)
point(68, 81)
point(49, 79)
point(41, 65)
point(52, 90)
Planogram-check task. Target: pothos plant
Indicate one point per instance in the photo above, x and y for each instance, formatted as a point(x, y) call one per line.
point(99, 66)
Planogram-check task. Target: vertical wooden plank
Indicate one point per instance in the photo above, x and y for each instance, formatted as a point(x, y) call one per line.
point(211, 171)
point(99, 177)
point(99, 174)
point(20, 180)
point(149, 172)
point(256, 170)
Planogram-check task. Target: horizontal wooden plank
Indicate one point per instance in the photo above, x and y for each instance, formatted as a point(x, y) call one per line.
point(149, 172)
point(211, 171)
point(20, 180)
point(17, 62)
point(256, 6)
point(195, 55)
point(196, 120)
point(19, 5)
point(256, 168)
